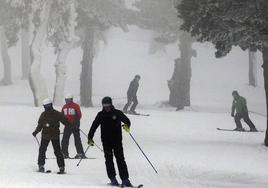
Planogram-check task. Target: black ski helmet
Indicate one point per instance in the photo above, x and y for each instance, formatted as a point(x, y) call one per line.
point(106, 101)
point(137, 76)
point(235, 93)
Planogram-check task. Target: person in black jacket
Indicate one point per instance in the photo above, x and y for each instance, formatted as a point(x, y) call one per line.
point(111, 135)
point(49, 123)
point(132, 95)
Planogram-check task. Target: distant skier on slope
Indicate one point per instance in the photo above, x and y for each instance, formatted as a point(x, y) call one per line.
point(132, 95)
point(72, 112)
point(111, 135)
point(240, 106)
point(49, 123)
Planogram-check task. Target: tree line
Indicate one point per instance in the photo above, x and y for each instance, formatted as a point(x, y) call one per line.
point(67, 24)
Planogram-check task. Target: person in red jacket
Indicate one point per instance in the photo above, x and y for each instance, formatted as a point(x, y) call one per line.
point(73, 114)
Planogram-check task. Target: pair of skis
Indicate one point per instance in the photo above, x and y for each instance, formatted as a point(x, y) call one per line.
point(134, 186)
point(220, 129)
point(137, 114)
point(72, 158)
point(49, 171)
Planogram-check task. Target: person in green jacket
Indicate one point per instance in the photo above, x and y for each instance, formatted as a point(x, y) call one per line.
point(240, 107)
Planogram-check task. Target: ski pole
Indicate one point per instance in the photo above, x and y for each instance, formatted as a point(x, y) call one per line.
point(94, 143)
point(257, 113)
point(82, 157)
point(143, 153)
point(83, 133)
point(37, 141)
point(98, 147)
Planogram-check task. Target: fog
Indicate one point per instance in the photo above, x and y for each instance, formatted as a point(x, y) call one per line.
point(127, 54)
point(94, 48)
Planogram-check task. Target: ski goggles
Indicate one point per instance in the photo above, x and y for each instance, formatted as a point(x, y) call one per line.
point(106, 105)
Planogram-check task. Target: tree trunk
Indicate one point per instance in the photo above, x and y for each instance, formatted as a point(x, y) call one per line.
point(7, 78)
point(86, 72)
point(61, 72)
point(36, 81)
point(179, 84)
point(252, 71)
point(25, 53)
point(63, 51)
point(265, 74)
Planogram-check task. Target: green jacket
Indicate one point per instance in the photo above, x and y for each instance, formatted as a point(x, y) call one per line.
point(239, 105)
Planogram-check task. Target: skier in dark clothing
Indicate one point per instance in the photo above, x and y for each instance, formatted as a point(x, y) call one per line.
point(73, 113)
point(132, 95)
point(49, 123)
point(111, 135)
point(240, 106)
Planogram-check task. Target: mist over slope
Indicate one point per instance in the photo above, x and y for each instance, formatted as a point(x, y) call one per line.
point(127, 54)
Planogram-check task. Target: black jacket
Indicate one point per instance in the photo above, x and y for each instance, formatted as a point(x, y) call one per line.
point(111, 128)
point(49, 123)
point(133, 88)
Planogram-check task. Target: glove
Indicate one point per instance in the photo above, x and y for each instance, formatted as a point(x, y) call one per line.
point(126, 128)
point(34, 134)
point(90, 142)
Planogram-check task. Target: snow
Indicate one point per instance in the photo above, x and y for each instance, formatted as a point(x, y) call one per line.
point(184, 146)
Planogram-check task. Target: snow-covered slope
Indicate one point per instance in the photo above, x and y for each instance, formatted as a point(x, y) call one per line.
point(185, 147)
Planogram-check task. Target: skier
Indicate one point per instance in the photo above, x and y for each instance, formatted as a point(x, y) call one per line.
point(49, 123)
point(111, 135)
point(240, 106)
point(72, 112)
point(132, 95)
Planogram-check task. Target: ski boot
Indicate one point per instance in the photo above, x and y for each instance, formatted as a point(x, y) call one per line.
point(126, 183)
point(179, 108)
point(61, 170)
point(41, 168)
point(66, 156)
point(239, 129)
point(84, 156)
point(114, 182)
point(253, 130)
point(80, 156)
point(133, 112)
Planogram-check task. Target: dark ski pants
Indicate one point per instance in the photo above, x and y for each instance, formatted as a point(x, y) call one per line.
point(77, 141)
point(57, 152)
point(116, 149)
point(131, 99)
point(245, 117)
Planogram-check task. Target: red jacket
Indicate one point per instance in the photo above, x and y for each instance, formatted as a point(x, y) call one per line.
point(72, 112)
